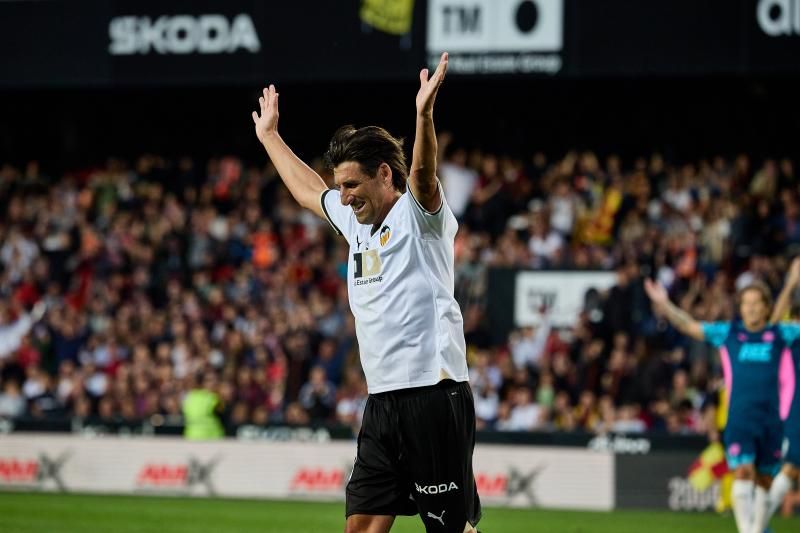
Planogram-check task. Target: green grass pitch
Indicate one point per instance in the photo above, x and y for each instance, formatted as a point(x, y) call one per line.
point(57, 513)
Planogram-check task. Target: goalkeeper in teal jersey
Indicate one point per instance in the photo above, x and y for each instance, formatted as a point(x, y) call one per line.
point(791, 414)
point(758, 372)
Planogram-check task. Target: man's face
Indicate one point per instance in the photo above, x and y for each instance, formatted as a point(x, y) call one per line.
point(753, 309)
point(366, 195)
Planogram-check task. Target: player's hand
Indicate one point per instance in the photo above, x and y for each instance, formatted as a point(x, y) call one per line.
point(429, 87)
point(794, 272)
point(38, 311)
point(268, 121)
point(656, 291)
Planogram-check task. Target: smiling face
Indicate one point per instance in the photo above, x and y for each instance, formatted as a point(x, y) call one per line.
point(369, 166)
point(370, 197)
point(754, 309)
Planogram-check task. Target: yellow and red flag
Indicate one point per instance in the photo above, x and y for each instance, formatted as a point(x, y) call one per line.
point(708, 467)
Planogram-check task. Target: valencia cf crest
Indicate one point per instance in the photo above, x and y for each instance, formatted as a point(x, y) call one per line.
point(385, 234)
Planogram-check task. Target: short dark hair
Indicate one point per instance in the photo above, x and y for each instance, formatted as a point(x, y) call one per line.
point(369, 147)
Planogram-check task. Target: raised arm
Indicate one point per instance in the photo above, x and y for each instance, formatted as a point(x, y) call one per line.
point(676, 316)
point(784, 301)
point(422, 178)
point(305, 185)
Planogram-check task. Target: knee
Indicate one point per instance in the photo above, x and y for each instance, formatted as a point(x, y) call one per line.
point(368, 524)
point(764, 481)
point(356, 524)
point(352, 526)
point(745, 472)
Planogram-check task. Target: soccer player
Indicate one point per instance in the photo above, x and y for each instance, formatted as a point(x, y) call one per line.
point(791, 405)
point(418, 433)
point(752, 353)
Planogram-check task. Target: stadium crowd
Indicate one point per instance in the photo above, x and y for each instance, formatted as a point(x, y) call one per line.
point(161, 275)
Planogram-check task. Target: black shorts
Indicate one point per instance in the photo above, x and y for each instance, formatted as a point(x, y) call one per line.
point(415, 456)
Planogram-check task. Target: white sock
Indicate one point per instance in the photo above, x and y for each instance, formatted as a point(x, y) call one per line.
point(780, 486)
point(760, 509)
point(742, 493)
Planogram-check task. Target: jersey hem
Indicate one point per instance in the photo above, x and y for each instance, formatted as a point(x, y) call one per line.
point(414, 385)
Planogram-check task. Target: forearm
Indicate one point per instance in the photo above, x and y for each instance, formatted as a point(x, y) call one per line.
point(542, 334)
point(304, 184)
point(783, 303)
point(423, 160)
point(11, 336)
point(681, 320)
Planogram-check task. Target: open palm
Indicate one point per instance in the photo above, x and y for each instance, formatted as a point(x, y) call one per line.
point(267, 122)
point(656, 292)
point(429, 87)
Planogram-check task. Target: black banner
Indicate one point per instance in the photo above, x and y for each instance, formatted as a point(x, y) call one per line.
point(665, 485)
point(203, 42)
point(685, 37)
point(520, 297)
point(621, 444)
point(147, 42)
point(501, 287)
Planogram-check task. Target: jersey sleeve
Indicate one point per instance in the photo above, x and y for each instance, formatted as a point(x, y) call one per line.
point(715, 333)
point(432, 224)
point(340, 217)
point(790, 331)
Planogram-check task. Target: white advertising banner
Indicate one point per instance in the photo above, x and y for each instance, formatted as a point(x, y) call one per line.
point(527, 476)
point(223, 468)
point(561, 292)
point(495, 25)
point(518, 476)
point(497, 36)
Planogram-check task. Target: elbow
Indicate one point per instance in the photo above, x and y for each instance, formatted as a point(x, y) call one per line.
point(426, 191)
point(305, 203)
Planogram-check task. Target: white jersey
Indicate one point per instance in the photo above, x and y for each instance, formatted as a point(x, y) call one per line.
point(400, 286)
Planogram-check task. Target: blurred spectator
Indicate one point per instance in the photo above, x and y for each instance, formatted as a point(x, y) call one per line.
point(528, 344)
point(458, 180)
point(352, 400)
point(12, 332)
point(525, 415)
point(12, 402)
point(201, 409)
point(545, 244)
point(296, 415)
point(487, 406)
point(628, 420)
point(318, 395)
point(564, 208)
point(483, 374)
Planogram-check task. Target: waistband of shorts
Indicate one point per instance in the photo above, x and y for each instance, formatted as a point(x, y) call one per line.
point(414, 392)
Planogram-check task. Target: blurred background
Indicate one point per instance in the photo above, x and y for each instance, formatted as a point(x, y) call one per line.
point(584, 146)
